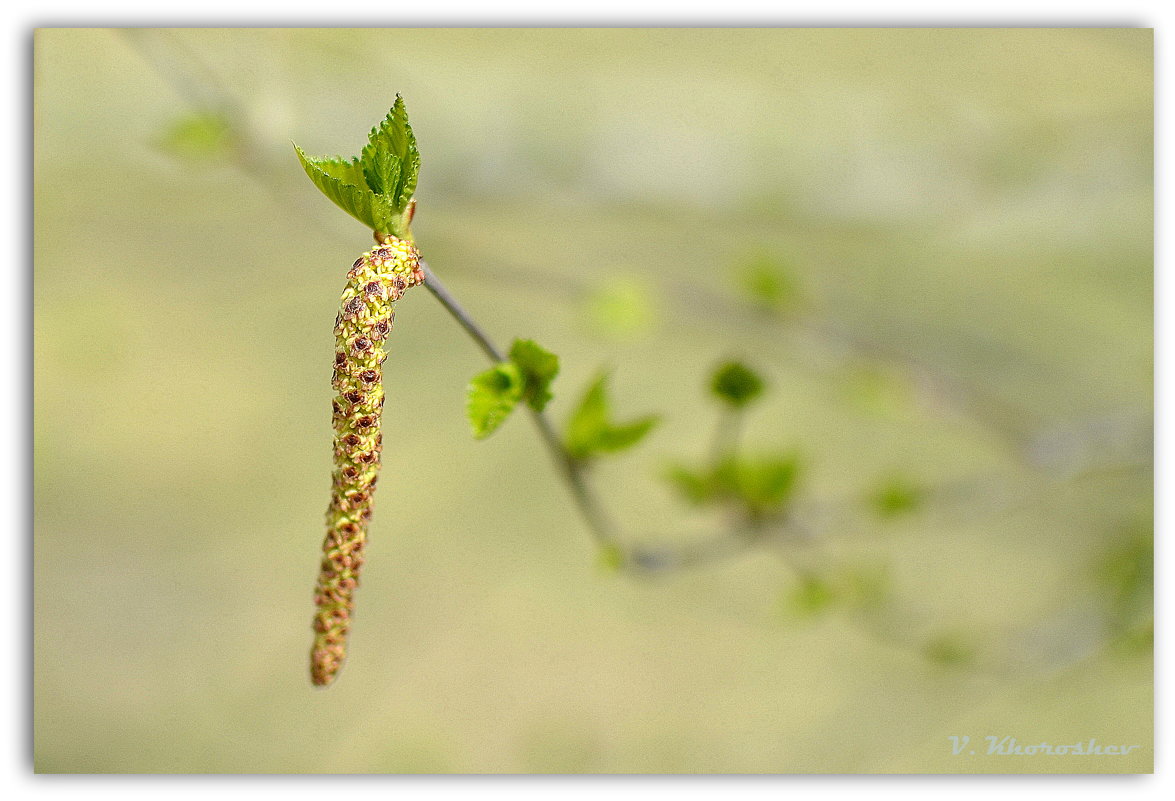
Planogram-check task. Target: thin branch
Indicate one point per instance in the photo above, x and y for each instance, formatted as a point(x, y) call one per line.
point(441, 293)
point(571, 468)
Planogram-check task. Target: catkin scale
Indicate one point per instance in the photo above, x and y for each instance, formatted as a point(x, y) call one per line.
point(366, 313)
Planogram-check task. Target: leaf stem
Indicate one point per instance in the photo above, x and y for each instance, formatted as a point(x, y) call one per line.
point(727, 432)
point(572, 469)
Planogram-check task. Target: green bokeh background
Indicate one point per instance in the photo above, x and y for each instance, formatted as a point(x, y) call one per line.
point(959, 226)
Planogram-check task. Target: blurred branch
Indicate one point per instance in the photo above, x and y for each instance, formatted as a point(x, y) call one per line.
point(176, 64)
point(726, 433)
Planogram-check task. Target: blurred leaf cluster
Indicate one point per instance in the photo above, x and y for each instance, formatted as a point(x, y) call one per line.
point(755, 488)
point(758, 487)
point(201, 137)
point(1125, 573)
point(621, 309)
point(768, 282)
point(896, 496)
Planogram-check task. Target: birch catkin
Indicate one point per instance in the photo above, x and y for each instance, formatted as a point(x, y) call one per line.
point(376, 281)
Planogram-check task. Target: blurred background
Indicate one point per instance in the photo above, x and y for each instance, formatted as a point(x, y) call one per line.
point(934, 245)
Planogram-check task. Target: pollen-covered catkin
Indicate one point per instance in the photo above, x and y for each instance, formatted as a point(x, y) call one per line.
point(376, 281)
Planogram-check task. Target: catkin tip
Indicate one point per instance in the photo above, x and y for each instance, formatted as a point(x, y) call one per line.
point(322, 674)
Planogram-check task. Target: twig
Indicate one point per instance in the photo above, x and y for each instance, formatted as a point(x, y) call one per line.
point(571, 468)
point(441, 293)
point(726, 435)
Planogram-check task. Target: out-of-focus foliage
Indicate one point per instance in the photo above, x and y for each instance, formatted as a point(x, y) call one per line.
point(1126, 575)
point(896, 496)
point(770, 283)
point(852, 588)
point(200, 138)
point(811, 596)
point(758, 487)
point(950, 650)
point(621, 309)
point(591, 431)
point(736, 384)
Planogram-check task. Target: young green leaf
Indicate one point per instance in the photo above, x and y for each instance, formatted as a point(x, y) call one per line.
point(766, 485)
point(527, 376)
point(342, 182)
point(758, 487)
point(736, 384)
point(377, 187)
point(538, 367)
point(390, 161)
point(590, 432)
point(492, 396)
point(695, 486)
point(588, 419)
point(859, 588)
point(622, 436)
